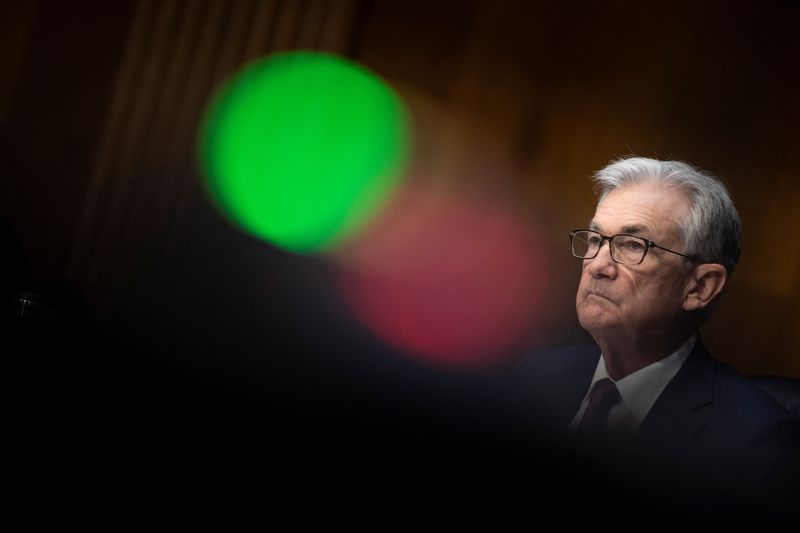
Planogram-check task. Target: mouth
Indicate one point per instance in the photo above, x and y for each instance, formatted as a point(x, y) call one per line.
point(598, 295)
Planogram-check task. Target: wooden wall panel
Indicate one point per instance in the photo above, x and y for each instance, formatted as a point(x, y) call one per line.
point(525, 98)
point(144, 175)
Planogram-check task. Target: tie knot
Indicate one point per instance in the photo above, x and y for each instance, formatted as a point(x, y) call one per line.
point(604, 393)
point(603, 396)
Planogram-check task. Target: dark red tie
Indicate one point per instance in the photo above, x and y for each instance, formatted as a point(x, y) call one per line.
point(602, 398)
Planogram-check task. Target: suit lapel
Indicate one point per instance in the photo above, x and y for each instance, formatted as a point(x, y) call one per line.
point(682, 410)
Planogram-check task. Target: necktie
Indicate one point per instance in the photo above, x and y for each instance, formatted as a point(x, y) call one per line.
point(602, 398)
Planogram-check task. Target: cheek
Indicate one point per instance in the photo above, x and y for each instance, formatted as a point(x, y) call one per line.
point(665, 288)
point(637, 283)
point(656, 298)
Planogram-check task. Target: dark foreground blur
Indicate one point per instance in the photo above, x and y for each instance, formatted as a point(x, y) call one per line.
point(91, 434)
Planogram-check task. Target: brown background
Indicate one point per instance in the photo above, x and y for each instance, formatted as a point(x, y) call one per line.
point(100, 102)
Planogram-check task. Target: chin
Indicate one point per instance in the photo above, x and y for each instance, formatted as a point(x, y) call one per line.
point(596, 321)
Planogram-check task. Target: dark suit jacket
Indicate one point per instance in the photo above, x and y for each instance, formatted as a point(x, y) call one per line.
point(709, 421)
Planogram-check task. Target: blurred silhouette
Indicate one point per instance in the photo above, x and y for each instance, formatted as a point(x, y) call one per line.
point(46, 327)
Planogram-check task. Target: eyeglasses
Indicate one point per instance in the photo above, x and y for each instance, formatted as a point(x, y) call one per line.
point(625, 249)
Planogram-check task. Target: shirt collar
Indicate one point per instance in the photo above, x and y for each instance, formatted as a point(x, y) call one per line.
point(640, 390)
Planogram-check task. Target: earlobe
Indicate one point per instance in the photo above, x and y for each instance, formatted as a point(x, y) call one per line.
point(707, 282)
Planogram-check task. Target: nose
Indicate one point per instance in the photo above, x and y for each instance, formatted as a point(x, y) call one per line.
point(601, 265)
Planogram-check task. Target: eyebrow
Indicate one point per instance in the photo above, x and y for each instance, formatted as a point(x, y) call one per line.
point(631, 229)
point(635, 229)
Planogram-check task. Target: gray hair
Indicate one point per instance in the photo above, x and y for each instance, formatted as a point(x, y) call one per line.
point(712, 232)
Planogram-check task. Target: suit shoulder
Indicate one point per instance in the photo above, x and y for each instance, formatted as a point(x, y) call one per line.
point(745, 396)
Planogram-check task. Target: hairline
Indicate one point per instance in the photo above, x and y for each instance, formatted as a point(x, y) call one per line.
point(710, 204)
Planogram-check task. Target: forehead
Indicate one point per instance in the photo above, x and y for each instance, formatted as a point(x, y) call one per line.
point(648, 208)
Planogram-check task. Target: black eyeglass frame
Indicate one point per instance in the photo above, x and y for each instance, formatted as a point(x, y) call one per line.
point(648, 244)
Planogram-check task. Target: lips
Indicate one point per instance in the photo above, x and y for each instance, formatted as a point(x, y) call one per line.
point(599, 295)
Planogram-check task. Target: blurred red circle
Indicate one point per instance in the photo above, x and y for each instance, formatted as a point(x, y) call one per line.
point(450, 280)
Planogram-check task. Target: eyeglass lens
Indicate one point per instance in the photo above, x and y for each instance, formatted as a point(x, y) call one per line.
point(624, 248)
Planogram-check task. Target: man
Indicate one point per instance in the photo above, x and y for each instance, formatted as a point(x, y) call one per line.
point(657, 254)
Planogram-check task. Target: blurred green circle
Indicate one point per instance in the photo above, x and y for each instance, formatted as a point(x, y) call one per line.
point(299, 148)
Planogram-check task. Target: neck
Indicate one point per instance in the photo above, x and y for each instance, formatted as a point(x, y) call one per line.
point(624, 356)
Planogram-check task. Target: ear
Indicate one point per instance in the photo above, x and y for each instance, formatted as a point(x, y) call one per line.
point(707, 281)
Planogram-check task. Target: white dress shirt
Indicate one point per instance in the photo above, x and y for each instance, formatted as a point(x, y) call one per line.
point(639, 391)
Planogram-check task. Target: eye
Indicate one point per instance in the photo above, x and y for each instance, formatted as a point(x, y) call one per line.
point(594, 240)
point(634, 245)
point(629, 244)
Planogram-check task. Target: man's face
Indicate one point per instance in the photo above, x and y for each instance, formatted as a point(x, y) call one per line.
point(639, 299)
